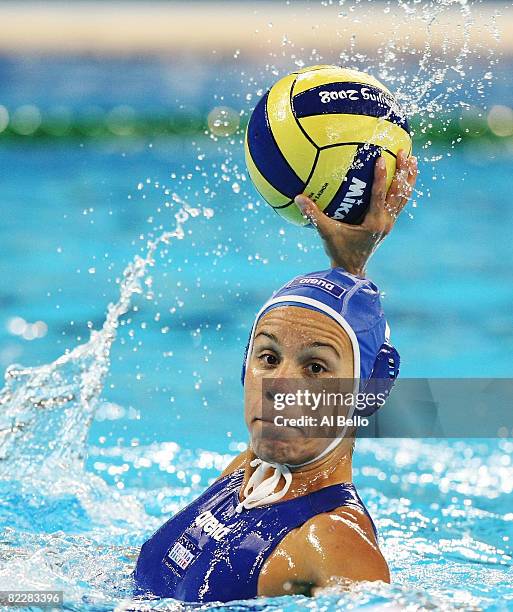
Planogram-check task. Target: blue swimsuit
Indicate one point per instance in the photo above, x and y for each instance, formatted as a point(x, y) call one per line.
point(208, 552)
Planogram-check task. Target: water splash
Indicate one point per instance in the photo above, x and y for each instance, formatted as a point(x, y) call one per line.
point(45, 414)
point(46, 411)
point(437, 57)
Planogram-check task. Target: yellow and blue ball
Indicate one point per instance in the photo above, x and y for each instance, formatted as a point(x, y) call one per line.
point(319, 131)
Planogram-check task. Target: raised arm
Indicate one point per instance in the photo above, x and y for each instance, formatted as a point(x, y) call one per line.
point(351, 246)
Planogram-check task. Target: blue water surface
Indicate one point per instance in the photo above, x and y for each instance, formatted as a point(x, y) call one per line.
point(74, 214)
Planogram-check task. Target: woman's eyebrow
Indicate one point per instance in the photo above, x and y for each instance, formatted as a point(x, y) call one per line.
point(268, 335)
point(321, 344)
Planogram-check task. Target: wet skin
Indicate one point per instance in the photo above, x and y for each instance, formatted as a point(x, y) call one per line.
point(292, 343)
point(332, 548)
point(351, 246)
point(337, 547)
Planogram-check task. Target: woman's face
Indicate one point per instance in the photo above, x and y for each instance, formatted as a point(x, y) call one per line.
point(291, 342)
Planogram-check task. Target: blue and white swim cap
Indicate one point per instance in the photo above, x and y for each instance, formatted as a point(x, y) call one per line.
point(354, 303)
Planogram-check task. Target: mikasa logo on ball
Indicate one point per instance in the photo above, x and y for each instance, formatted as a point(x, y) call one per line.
point(356, 189)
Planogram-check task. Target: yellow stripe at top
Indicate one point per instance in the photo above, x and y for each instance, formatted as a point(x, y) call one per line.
point(340, 128)
point(294, 145)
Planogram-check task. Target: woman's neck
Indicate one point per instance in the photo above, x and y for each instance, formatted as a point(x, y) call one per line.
point(333, 469)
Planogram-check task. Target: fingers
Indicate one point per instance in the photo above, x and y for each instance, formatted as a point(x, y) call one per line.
point(413, 170)
point(393, 200)
point(402, 184)
point(379, 185)
point(376, 218)
point(384, 207)
point(309, 209)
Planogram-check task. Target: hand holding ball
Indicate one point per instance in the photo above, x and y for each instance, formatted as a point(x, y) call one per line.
point(318, 132)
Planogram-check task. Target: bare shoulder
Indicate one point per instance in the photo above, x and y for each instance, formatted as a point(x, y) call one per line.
point(333, 548)
point(342, 544)
point(350, 521)
point(238, 462)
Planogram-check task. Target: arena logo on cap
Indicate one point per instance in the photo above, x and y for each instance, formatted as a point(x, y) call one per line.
point(319, 283)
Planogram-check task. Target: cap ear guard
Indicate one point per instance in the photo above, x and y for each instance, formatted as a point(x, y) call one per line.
point(244, 359)
point(382, 378)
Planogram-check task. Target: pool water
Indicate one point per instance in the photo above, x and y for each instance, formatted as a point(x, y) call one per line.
point(74, 215)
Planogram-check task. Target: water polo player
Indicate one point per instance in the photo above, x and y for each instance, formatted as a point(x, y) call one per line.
point(284, 516)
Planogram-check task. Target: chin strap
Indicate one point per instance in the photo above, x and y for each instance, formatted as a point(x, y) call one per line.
point(258, 491)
